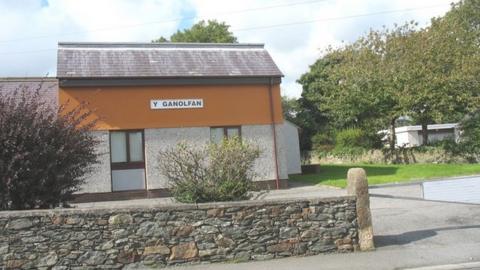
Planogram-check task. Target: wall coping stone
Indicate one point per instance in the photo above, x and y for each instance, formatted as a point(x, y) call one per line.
point(166, 207)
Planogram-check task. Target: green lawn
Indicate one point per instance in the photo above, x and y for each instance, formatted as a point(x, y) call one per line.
point(335, 175)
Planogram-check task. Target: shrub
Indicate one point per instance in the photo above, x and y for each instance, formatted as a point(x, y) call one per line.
point(351, 138)
point(323, 143)
point(350, 142)
point(215, 172)
point(468, 146)
point(44, 153)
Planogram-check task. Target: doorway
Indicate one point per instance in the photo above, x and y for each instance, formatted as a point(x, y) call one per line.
point(127, 157)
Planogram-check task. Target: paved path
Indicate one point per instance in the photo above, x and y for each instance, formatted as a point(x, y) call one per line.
point(296, 192)
point(410, 232)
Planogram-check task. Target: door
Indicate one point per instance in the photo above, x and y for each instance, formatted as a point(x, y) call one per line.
point(127, 157)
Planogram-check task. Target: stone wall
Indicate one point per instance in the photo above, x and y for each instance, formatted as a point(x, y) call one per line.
point(424, 155)
point(165, 235)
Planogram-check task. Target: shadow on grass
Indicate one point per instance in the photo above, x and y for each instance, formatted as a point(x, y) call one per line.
point(413, 236)
point(372, 170)
point(294, 182)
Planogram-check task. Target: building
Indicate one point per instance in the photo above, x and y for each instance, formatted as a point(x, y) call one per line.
point(47, 86)
point(151, 96)
point(292, 146)
point(410, 136)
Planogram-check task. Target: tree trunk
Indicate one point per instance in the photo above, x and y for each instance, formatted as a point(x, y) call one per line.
point(424, 133)
point(392, 138)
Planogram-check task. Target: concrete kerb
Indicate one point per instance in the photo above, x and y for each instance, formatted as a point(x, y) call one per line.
point(458, 266)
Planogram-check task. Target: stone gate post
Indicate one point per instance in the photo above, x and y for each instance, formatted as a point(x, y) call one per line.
point(357, 185)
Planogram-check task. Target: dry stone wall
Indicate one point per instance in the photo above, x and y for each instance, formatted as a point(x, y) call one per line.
point(132, 238)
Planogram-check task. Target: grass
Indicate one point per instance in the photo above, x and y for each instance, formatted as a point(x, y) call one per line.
point(335, 175)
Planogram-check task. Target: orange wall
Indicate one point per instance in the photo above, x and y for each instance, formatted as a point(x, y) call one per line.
point(129, 107)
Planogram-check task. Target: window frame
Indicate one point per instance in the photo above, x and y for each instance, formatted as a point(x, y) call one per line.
point(128, 164)
point(225, 131)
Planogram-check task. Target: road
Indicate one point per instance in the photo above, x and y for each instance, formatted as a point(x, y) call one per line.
point(409, 233)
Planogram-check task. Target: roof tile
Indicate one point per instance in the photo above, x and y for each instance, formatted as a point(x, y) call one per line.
point(110, 60)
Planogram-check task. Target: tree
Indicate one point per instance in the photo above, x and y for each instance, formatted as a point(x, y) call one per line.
point(468, 146)
point(44, 154)
point(210, 32)
point(312, 114)
point(306, 117)
point(289, 108)
point(358, 85)
point(443, 62)
point(430, 74)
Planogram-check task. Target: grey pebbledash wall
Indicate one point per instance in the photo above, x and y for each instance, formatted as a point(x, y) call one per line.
point(99, 179)
point(160, 139)
point(174, 234)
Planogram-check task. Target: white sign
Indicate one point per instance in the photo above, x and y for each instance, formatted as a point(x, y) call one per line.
point(163, 104)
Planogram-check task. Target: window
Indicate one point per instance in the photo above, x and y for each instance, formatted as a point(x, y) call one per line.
point(126, 149)
point(118, 147)
point(217, 134)
point(135, 146)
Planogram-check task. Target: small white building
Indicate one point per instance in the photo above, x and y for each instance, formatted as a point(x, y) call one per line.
point(410, 136)
point(292, 147)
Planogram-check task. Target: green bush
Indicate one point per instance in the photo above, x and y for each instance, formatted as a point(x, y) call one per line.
point(469, 145)
point(323, 143)
point(351, 138)
point(215, 172)
point(350, 142)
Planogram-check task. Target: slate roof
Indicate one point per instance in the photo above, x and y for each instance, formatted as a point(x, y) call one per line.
point(48, 88)
point(164, 60)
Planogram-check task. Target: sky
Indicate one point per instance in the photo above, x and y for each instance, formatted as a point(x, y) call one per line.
point(295, 32)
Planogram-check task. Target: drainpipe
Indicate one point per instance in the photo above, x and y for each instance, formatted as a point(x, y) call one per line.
point(272, 114)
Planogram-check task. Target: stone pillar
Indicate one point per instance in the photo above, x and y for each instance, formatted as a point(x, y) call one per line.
point(357, 185)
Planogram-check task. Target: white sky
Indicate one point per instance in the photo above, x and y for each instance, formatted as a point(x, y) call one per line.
point(31, 28)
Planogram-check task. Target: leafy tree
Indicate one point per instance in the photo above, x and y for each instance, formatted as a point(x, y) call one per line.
point(468, 146)
point(357, 85)
point(289, 108)
point(306, 117)
point(443, 65)
point(44, 154)
point(313, 115)
point(210, 32)
point(430, 74)
point(311, 121)
point(160, 40)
